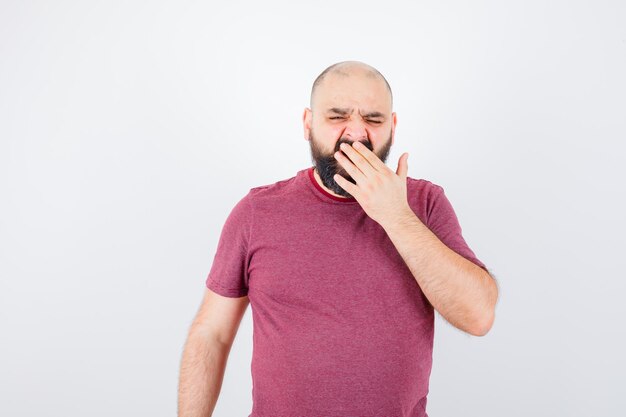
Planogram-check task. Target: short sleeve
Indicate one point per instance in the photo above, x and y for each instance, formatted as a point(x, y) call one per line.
point(229, 272)
point(443, 222)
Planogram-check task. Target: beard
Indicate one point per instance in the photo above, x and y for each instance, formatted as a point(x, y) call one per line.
point(327, 166)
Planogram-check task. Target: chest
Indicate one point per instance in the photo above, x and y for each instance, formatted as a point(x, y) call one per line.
point(344, 260)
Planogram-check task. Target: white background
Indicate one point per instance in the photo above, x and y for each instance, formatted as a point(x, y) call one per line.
point(128, 130)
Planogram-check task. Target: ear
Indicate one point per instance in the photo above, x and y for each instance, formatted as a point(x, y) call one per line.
point(394, 121)
point(307, 119)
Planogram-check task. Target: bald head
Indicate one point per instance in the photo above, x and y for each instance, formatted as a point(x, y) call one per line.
point(347, 69)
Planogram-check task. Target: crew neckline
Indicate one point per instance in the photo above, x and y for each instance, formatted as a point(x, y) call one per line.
point(325, 193)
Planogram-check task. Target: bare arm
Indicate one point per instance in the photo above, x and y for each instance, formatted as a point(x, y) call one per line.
point(201, 375)
point(461, 291)
point(206, 352)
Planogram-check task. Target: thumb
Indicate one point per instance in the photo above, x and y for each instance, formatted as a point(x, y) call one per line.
point(403, 166)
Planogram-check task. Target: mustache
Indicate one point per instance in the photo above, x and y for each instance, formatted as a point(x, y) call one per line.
point(367, 143)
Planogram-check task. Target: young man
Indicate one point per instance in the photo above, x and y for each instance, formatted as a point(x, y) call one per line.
point(343, 266)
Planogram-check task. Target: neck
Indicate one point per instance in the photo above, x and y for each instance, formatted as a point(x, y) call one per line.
point(319, 181)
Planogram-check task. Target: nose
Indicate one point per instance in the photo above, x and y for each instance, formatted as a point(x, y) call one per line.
point(356, 130)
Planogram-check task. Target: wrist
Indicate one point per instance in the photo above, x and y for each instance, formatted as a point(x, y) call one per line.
point(405, 218)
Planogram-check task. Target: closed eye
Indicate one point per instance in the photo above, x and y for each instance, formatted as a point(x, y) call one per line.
point(371, 121)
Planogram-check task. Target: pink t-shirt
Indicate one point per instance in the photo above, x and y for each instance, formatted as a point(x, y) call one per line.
point(341, 327)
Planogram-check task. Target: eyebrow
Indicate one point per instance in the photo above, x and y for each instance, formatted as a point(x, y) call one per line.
point(374, 114)
point(345, 111)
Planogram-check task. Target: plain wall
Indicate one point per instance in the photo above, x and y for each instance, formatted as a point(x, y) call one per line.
point(128, 130)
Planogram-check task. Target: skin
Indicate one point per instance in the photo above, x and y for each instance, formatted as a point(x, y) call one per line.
point(461, 291)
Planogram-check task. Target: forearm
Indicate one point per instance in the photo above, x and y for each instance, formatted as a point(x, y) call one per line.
point(201, 375)
point(461, 291)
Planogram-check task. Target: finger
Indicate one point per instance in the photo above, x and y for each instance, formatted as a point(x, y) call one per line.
point(403, 165)
point(350, 168)
point(347, 185)
point(358, 160)
point(370, 156)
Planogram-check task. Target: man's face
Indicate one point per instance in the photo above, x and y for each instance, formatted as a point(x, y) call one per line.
point(348, 108)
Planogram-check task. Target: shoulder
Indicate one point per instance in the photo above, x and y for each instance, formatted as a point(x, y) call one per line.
point(422, 188)
point(421, 196)
point(271, 191)
point(272, 188)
